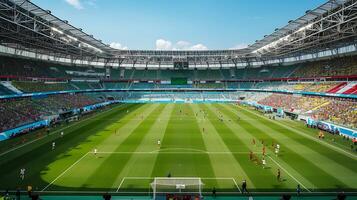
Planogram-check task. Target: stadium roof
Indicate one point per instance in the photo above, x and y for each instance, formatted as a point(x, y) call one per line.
point(60, 24)
point(32, 28)
point(293, 25)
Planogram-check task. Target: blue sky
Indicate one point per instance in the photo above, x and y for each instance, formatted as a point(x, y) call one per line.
point(178, 24)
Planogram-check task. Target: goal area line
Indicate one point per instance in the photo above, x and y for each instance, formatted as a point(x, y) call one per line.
point(231, 179)
point(176, 152)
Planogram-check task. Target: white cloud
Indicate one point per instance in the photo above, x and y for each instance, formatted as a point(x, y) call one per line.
point(75, 3)
point(198, 47)
point(162, 44)
point(181, 45)
point(239, 46)
point(117, 45)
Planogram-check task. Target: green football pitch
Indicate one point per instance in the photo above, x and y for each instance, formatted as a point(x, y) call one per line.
point(195, 142)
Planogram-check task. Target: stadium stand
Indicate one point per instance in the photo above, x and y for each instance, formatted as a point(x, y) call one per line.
point(332, 67)
point(28, 86)
point(52, 72)
point(337, 110)
point(16, 112)
point(4, 90)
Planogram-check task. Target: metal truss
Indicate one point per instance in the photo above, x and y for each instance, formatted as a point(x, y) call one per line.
point(27, 27)
point(24, 25)
point(167, 57)
point(331, 25)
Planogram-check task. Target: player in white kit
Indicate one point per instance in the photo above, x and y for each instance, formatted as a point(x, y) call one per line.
point(264, 162)
point(22, 173)
point(95, 152)
point(159, 143)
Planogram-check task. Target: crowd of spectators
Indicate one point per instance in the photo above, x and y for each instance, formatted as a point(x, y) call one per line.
point(322, 86)
point(210, 85)
point(17, 112)
point(315, 86)
point(332, 67)
point(338, 110)
point(341, 111)
point(29, 86)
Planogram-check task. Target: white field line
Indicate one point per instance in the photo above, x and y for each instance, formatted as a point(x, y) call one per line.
point(121, 183)
point(288, 173)
point(56, 131)
point(234, 180)
point(138, 192)
point(308, 136)
point(139, 178)
point(152, 178)
point(70, 167)
point(177, 152)
point(148, 178)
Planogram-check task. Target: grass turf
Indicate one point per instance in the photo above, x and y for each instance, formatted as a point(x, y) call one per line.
point(195, 143)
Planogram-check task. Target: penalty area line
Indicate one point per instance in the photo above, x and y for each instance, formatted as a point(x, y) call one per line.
point(121, 183)
point(174, 152)
point(65, 171)
point(235, 183)
point(288, 173)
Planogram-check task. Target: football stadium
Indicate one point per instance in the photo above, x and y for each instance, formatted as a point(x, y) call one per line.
point(80, 119)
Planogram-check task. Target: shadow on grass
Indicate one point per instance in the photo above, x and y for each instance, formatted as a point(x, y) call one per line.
point(37, 157)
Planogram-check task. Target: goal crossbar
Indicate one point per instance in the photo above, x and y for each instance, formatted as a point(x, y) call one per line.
point(177, 185)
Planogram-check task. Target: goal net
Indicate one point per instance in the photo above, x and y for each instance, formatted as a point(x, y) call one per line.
point(176, 186)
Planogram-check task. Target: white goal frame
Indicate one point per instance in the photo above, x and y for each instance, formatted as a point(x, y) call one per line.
point(178, 184)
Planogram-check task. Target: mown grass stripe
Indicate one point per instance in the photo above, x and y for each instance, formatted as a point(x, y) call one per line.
point(103, 135)
point(182, 132)
point(311, 138)
point(222, 161)
point(106, 174)
point(36, 157)
point(337, 140)
point(296, 178)
point(142, 165)
point(329, 163)
point(309, 170)
point(234, 143)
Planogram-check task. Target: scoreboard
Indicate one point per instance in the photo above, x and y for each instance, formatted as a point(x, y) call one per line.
point(180, 65)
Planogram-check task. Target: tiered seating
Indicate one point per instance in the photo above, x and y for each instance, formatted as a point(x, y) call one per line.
point(41, 86)
point(337, 88)
point(335, 67)
point(4, 90)
point(115, 85)
point(283, 71)
point(18, 112)
point(173, 86)
point(142, 86)
point(210, 85)
point(232, 85)
point(245, 85)
point(351, 88)
point(226, 74)
point(301, 86)
point(321, 86)
point(94, 85)
point(81, 85)
point(341, 111)
point(267, 85)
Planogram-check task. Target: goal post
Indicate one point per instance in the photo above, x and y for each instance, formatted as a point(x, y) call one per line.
point(177, 186)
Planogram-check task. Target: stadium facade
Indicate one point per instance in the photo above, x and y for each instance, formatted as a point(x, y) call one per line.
point(52, 72)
